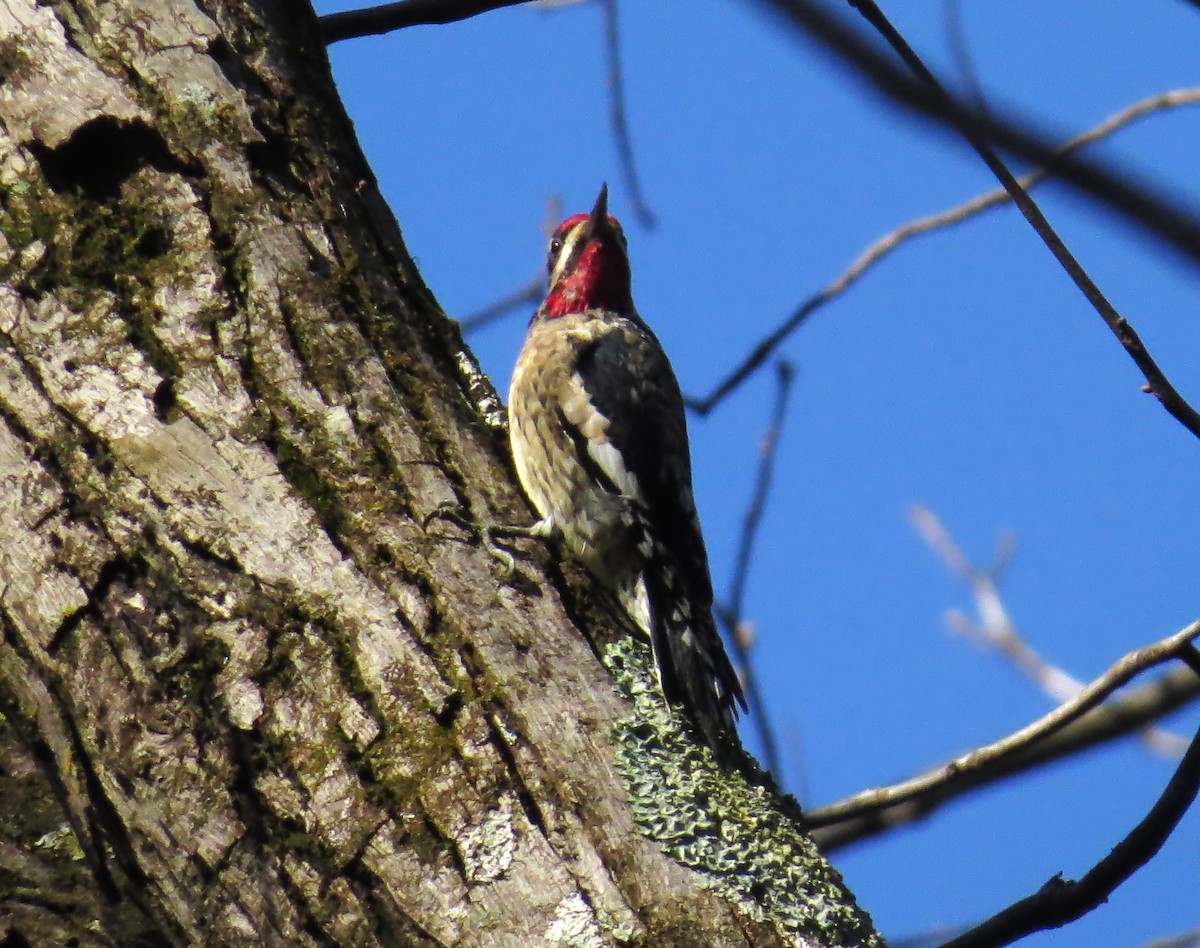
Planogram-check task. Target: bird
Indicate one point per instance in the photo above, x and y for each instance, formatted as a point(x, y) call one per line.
point(600, 444)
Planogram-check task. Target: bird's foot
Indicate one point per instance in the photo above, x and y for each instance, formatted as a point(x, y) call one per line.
point(490, 532)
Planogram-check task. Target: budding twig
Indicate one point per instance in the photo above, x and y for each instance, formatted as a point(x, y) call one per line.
point(619, 117)
point(996, 630)
point(961, 768)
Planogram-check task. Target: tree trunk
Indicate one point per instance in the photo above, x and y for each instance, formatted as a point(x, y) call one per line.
point(248, 696)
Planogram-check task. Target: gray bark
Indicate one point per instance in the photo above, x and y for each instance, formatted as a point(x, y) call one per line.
point(247, 696)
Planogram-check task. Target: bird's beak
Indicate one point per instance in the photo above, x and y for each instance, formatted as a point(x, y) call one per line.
point(598, 219)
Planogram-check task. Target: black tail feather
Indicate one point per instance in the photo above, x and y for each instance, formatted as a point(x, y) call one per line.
point(694, 669)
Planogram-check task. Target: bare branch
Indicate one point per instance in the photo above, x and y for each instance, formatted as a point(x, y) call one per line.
point(955, 215)
point(1060, 901)
point(1137, 201)
point(530, 294)
point(1163, 215)
point(731, 614)
point(1158, 383)
point(1188, 939)
point(1131, 665)
point(1115, 719)
point(620, 120)
point(995, 629)
point(396, 16)
point(960, 53)
point(371, 21)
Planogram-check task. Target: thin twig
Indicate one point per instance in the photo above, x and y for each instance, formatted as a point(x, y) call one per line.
point(1158, 383)
point(731, 614)
point(1157, 213)
point(1061, 901)
point(960, 53)
point(931, 939)
point(620, 120)
point(954, 215)
point(530, 294)
point(405, 13)
point(371, 21)
point(996, 630)
point(1168, 217)
point(749, 365)
point(1131, 665)
point(1116, 718)
point(1188, 939)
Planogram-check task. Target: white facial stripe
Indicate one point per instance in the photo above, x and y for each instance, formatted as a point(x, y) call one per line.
point(568, 250)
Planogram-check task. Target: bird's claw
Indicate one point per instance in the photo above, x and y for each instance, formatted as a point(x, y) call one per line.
point(448, 510)
point(488, 533)
point(502, 556)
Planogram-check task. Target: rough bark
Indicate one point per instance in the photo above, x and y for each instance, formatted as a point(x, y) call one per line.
point(247, 697)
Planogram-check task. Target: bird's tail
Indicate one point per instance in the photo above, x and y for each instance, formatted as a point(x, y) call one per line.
point(693, 667)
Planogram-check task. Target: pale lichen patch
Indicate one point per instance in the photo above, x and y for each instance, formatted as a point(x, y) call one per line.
point(735, 834)
point(357, 725)
point(574, 924)
point(200, 97)
point(244, 703)
point(62, 839)
point(247, 652)
point(487, 847)
point(337, 422)
point(482, 393)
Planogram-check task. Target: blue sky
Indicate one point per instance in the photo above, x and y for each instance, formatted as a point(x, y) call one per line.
point(965, 373)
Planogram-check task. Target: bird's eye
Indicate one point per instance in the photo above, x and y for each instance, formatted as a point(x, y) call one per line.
point(555, 246)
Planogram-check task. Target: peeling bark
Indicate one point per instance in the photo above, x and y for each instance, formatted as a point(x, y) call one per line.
point(247, 697)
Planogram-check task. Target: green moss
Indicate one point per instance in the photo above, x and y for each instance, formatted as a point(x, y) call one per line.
point(62, 839)
point(397, 772)
point(26, 217)
point(307, 481)
point(199, 115)
point(88, 247)
point(350, 676)
point(15, 61)
point(735, 834)
point(350, 285)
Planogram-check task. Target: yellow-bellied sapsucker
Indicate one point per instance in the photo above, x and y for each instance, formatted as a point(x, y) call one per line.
point(600, 443)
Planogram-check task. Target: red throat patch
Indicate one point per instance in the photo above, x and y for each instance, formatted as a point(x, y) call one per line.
point(598, 279)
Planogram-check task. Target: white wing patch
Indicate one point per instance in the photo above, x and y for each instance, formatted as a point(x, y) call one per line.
point(579, 412)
